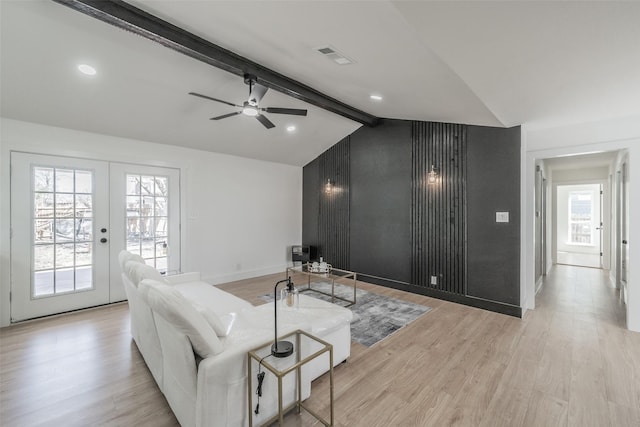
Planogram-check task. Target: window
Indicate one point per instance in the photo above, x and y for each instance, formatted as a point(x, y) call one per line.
point(147, 218)
point(62, 230)
point(581, 217)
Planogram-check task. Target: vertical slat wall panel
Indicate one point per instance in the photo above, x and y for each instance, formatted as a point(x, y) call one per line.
point(438, 211)
point(333, 215)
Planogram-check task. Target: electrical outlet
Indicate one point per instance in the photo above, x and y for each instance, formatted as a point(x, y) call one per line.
point(434, 280)
point(502, 216)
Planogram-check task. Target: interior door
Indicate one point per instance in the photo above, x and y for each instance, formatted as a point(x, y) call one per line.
point(60, 234)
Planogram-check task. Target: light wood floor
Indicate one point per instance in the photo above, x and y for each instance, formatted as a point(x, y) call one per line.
point(568, 363)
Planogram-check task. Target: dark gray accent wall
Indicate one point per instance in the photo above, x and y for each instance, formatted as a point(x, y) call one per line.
point(381, 200)
point(477, 259)
point(493, 185)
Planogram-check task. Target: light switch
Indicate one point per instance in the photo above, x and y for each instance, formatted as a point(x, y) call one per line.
point(502, 216)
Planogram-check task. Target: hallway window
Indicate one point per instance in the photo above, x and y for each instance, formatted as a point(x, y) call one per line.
point(581, 217)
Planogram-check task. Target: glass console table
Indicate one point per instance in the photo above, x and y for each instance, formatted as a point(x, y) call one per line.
point(335, 275)
point(280, 367)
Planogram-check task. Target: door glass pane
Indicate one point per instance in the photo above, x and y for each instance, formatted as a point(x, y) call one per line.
point(43, 283)
point(43, 257)
point(43, 205)
point(43, 179)
point(147, 208)
point(83, 254)
point(84, 182)
point(63, 180)
point(43, 231)
point(580, 217)
point(64, 206)
point(84, 277)
point(84, 208)
point(64, 279)
point(62, 230)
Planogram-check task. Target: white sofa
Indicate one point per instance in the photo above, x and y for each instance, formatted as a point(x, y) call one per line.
point(195, 337)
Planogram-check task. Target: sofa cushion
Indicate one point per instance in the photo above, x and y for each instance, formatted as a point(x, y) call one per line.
point(213, 298)
point(125, 256)
point(138, 272)
point(175, 309)
point(221, 324)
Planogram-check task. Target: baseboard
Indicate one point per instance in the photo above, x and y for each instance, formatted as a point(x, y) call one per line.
point(498, 307)
point(247, 274)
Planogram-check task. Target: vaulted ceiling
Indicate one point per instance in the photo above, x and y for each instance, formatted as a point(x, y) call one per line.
point(542, 64)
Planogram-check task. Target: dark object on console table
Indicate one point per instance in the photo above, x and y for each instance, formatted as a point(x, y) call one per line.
point(303, 253)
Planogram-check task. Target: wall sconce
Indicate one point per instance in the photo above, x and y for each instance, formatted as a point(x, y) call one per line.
point(432, 176)
point(328, 187)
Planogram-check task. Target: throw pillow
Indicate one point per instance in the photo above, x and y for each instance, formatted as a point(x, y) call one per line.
point(221, 324)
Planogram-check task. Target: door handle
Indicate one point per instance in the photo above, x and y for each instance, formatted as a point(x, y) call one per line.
point(103, 240)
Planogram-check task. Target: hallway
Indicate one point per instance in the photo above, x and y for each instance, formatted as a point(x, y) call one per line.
point(590, 361)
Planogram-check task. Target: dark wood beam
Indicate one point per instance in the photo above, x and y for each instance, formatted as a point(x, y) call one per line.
point(130, 18)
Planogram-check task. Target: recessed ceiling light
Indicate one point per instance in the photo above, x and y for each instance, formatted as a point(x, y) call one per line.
point(291, 128)
point(375, 97)
point(87, 69)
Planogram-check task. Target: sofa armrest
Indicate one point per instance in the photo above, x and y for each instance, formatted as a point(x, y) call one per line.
point(183, 278)
point(222, 387)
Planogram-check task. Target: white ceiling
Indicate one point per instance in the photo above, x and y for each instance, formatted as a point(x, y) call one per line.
point(542, 64)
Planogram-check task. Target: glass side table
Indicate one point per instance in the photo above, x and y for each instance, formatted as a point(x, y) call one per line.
point(280, 367)
point(343, 277)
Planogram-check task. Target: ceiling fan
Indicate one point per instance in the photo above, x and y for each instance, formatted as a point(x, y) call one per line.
point(251, 106)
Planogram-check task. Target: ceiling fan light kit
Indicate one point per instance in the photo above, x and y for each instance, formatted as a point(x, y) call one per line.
point(251, 107)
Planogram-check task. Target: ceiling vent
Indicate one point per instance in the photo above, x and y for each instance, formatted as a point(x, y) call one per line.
point(337, 57)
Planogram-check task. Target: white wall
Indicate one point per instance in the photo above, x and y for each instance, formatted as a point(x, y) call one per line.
point(618, 134)
point(239, 216)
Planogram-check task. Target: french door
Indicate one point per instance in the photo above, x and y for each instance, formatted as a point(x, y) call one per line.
point(69, 220)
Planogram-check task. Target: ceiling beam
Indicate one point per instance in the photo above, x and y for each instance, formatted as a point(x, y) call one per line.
point(135, 20)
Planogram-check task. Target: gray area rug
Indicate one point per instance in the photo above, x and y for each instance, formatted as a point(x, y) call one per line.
point(375, 317)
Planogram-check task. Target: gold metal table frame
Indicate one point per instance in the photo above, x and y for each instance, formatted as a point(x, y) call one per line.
point(258, 355)
point(349, 278)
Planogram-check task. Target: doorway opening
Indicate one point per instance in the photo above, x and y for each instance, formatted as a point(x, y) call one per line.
point(579, 225)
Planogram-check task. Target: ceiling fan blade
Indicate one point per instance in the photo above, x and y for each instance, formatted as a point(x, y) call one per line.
point(257, 92)
point(224, 116)
point(292, 111)
point(214, 99)
point(266, 122)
